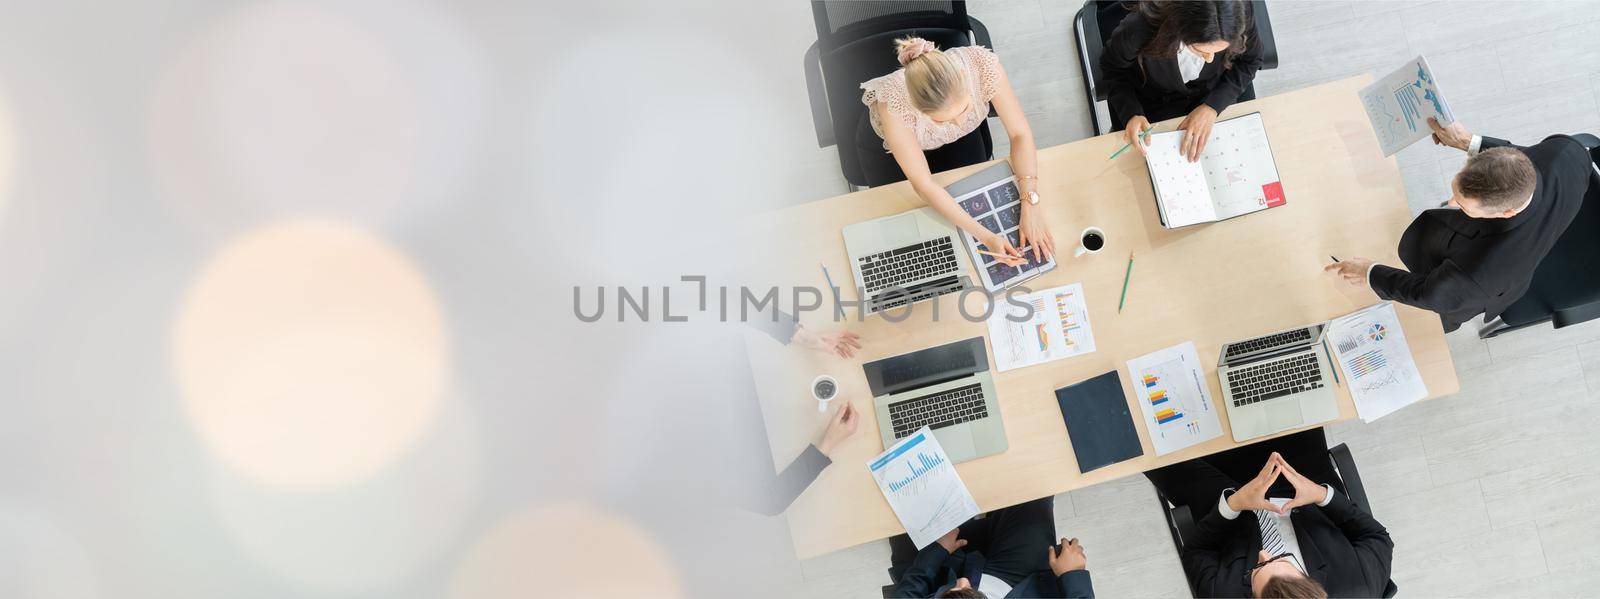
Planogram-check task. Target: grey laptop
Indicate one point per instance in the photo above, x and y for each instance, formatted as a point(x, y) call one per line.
point(1276, 382)
point(947, 388)
point(905, 258)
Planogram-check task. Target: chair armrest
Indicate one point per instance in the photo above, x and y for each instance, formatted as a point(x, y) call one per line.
point(1269, 45)
point(1346, 465)
point(980, 33)
point(817, 94)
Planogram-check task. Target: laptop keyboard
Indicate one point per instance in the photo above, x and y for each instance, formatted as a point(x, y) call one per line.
point(897, 267)
point(963, 404)
point(1270, 341)
point(1255, 384)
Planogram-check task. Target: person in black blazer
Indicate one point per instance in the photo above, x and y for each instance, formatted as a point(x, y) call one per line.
point(1011, 552)
point(1173, 58)
point(1510, 205)
point(1317, 543)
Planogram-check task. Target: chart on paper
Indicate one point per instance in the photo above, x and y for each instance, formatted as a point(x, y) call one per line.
point(1051, 324)
point(1400, 104)
point(1371, 350)
point(922, 487)
point(1172, 393)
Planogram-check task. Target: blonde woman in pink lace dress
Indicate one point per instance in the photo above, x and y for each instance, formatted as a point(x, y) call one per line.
point(936, 98)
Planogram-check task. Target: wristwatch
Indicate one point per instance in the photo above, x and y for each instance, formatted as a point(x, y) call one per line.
point(1033, 198)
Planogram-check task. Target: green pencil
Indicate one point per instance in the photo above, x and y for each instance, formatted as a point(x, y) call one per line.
point(1126, 276)
point(1130, 144)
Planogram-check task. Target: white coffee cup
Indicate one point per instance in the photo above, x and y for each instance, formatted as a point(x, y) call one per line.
point(1091, 236)
point(823, 389)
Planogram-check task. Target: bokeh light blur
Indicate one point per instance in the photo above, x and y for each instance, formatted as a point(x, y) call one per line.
point(310, 354)
point(566, 549)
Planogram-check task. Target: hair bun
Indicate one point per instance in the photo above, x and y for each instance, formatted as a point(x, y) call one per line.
point(910, 48)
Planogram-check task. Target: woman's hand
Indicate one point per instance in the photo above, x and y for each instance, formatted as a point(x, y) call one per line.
point(997, 243)
point(840, 427)
point(1136, 126)
point(1033, 232)
point(842, 343)
point(1197, 129)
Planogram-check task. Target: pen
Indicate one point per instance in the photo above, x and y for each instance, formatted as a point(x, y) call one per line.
point(1130, 144)
point(1126, 276)
point(1332, 367)
point(838, 311)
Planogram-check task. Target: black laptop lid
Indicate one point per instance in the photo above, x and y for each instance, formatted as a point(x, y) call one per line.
point(926, 367)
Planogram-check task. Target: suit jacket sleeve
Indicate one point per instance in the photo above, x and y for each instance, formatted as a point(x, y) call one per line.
point(778, 493)
point(1445, 289)
point(1495, 142)
point(1203, 554)
point(1120, 65)
point(920, 580)
point(1075, 585)
point(1238, 76)
point(1374, 549)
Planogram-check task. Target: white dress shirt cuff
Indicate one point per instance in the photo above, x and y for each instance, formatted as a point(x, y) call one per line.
point(1326, 500)
point(1222, 506)
point(1477, 144)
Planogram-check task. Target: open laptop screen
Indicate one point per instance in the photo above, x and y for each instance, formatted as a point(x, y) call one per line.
point(926, 367)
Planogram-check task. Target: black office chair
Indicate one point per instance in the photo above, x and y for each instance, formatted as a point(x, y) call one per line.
point(855, 43)
point(1566, 286)
point(1093, 27)
point(1180, 520)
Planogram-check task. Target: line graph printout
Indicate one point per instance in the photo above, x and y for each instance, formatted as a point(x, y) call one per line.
point(922, 487)
point(1235, 175)
point(1058, 329)
point(1171, 389)
point(1371, 349)
point(1399, 105)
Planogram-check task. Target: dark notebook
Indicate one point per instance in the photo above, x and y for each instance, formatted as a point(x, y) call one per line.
point(1098, 422)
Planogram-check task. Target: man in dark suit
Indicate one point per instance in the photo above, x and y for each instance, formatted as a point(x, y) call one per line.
point(1011, 552)
point(1510, 205)
point(1251, 542)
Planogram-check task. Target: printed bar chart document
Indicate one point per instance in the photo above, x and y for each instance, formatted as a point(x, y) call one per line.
point(1171, 390)
point(1059, 328)
point(1234, 176)
point(1371, 350)
point(922, 487)
point(1399, 105)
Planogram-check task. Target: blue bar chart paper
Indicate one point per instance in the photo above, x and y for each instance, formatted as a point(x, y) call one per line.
point(1400, 104)
point(922, 487)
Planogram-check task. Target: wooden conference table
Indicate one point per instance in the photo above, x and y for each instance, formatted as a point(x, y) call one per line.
point(1210, 283)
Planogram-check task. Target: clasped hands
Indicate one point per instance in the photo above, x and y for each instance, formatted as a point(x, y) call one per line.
point(1253, 495)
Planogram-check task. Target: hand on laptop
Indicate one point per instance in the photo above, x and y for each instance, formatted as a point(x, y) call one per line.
point(1306, 491)
point(841, 426)
point(1253, 495)
point(1353, 271)
point(841, 343)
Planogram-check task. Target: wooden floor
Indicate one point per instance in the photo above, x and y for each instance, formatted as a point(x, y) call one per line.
point(1488, 493)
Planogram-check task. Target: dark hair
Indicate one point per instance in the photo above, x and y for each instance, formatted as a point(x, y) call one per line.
point(1292, 587)
point(1500, 178)
point(966, 593)
point(1195, 22)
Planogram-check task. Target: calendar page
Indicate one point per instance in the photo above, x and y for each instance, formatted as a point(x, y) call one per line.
point(1180, 185)
point(1235, 174)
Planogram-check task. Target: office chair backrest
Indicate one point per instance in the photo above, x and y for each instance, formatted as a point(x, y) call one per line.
point(856, 43)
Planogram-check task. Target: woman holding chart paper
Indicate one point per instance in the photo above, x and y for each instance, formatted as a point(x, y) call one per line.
point(1180, 57)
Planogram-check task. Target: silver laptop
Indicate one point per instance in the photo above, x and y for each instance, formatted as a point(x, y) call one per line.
point(906, 258)
point(1276, 382)
point(947, 388)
